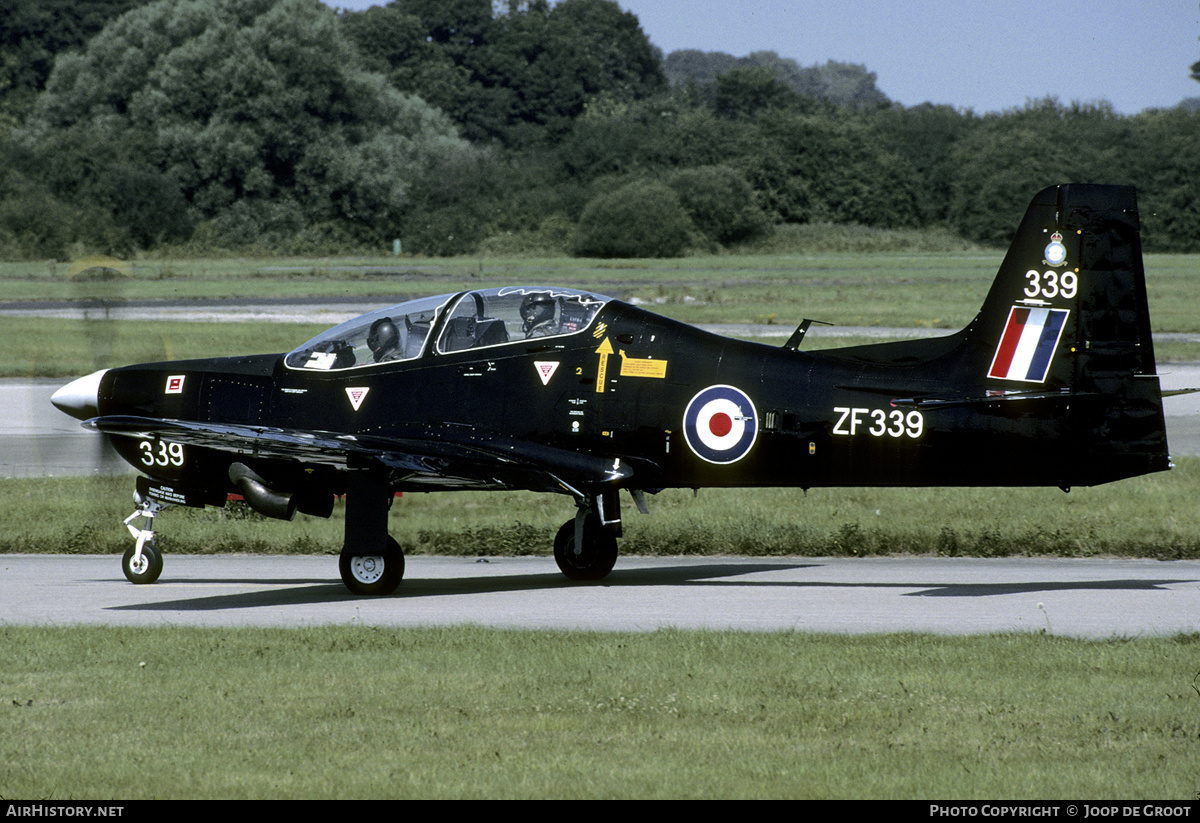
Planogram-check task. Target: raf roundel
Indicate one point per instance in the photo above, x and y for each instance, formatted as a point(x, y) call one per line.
point(720, 424)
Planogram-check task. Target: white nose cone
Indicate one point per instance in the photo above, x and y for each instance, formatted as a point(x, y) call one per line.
point(79, 397)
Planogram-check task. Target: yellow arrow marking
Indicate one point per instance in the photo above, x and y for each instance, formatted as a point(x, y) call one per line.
point(604, 351)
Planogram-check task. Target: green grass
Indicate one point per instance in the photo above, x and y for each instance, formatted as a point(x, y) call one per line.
point(1143, 517)
point(69, 348)
point(357, 712)
point(919, 289)
point(826, 279)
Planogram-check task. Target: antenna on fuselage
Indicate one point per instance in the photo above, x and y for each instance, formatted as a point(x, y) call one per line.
point(793, 342)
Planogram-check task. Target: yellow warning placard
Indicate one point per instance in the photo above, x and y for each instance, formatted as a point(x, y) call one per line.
point(643, 368)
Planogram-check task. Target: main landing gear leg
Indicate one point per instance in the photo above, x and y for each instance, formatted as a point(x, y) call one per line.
point(371, 562)
point(585, 548)
point(143, 563)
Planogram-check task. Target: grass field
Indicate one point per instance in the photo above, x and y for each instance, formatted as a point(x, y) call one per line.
point(1151, 516)
point(356, 712)
point(909, 290)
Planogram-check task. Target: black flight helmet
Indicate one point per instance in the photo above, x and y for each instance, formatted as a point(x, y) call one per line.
point(383, 337)
point(537, 308)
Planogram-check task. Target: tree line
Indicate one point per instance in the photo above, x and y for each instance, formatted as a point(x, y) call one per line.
point(459, 126)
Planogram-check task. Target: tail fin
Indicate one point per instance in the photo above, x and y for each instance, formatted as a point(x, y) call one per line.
point(1068, 307)
point(1056, 373)
point(1067, 318)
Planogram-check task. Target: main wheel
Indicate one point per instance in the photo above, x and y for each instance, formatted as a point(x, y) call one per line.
point(373, 574)
point(147, 568)
point(599, 553)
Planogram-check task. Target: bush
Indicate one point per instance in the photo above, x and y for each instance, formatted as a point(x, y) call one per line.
point(36, 224)
point(146, 203)
point(552, 238)
point(446, 231)
point(640, 219)
point(720, 203)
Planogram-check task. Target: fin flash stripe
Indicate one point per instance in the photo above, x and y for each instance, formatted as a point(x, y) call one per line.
point(1027, 346)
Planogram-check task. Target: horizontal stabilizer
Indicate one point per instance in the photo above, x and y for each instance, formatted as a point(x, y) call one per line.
point(990, 397)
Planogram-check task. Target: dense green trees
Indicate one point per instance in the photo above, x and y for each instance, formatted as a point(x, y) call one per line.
point(518, 75)
point(642, 218)
point(845, 84)
point(464, 124)
point(253, 113)
point(32, 34)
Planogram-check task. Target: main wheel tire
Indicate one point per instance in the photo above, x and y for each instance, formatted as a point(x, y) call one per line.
point(373, 574)
point(599, 553)
point(147, 568)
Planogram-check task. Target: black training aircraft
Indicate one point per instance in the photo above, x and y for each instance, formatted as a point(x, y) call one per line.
point(566, 391)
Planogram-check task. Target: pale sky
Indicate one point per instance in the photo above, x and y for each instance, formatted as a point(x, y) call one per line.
point(985, 55)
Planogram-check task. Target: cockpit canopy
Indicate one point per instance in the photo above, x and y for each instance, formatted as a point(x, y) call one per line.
point(469, 320)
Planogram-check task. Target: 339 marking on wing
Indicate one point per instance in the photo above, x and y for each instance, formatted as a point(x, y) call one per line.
point(161, 454)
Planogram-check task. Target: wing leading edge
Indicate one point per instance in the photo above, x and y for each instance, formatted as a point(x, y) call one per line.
point(445, 457)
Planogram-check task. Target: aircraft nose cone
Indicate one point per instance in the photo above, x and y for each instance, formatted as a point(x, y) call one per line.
point(79, 398)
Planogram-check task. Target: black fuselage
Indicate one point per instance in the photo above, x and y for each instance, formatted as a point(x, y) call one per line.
point(622, 389)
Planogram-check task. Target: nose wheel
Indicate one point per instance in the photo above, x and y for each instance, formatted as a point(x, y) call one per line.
point(142, 562)
point(142, 566)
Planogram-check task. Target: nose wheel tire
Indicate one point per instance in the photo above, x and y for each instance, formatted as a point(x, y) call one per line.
point(144, 569)
point(598, 556)
point(373, 574)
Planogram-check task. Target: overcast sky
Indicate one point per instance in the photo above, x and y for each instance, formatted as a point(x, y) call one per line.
point(985, 55)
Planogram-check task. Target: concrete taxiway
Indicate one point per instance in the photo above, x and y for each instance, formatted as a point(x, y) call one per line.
point(949, 596)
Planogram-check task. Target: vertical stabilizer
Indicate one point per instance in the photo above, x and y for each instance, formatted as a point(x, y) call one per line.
point(1073, 275)
point(1068, 314)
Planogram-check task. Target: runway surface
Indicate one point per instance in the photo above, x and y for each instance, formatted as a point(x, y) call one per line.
point(948, 596)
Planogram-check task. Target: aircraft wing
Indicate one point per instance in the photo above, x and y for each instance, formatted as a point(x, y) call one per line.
point(446, 457)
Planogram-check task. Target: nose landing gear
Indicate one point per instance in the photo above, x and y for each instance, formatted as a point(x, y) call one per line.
point(142, 562)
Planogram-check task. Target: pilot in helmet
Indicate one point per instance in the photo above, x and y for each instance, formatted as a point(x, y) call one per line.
point(537, 310)
point(384, 340)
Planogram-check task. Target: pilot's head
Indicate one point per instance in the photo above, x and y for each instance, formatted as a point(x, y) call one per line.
point(537, 308)
point(383, 338)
